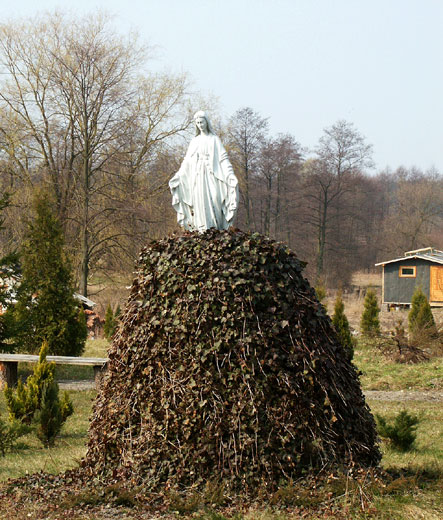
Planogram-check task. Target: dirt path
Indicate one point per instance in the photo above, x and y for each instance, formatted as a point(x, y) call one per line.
point(76, 385)
point(405, 395)
point(378, 395)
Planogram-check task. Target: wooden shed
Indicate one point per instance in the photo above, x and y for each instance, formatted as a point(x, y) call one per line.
point(420, 268)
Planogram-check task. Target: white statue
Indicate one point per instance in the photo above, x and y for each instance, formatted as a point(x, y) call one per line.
point(205, 189)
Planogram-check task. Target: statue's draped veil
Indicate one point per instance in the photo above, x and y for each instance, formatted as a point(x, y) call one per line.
point(202, 113)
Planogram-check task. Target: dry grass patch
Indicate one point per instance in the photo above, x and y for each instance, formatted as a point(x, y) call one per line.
point(379, 372)
point(96, 348)
point(109, 290)
point(428, 452)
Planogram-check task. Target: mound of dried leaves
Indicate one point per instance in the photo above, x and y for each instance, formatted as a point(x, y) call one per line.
point(225, 368)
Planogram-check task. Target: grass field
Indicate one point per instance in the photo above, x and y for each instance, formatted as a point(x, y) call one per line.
point(382, 373)
point(413, 490)
point(30, 456)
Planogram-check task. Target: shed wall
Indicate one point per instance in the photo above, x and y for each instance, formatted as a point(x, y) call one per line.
point(400, 290)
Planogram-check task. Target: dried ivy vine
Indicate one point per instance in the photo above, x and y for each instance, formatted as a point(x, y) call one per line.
point(225, 367)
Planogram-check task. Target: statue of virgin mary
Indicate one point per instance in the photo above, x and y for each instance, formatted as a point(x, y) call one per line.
point(205, 189)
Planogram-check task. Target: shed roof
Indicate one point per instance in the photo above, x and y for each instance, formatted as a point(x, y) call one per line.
point(86, 301)
point(428, 253)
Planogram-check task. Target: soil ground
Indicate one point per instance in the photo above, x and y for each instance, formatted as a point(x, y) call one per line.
point(403, 395)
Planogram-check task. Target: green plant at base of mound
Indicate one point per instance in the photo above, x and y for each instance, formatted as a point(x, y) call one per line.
point(401, 432)
point(9, 432)
point(341, 325)
point(52, 413)
point(225, 368)
point(27, 398)
point(37, 402)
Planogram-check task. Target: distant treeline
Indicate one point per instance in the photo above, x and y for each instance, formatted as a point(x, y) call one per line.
point(82, 117)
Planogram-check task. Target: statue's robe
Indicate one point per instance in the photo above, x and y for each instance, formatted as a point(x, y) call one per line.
point(205, 189)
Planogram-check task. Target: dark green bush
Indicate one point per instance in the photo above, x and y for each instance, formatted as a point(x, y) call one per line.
point(341, 326)
point(400, 433)
point(110, 323)
point(370, 323)
point(418, 298)
point(46, 309)
point(37, 402)
point(420, 317)
point(52, 413)
point(10, 431)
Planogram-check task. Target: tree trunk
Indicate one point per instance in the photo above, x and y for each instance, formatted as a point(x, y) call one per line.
point(322, 235)
point(85, 228)
point(247, 208)
point(267, 219)
point(277, 230)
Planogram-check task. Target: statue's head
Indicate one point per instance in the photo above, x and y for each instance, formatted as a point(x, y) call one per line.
point(200, 118)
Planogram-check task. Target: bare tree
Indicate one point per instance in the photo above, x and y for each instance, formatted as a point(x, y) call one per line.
point(415, 218)
point(77, 114)
point(247, 130)
point(34, 138)
point(280, 161)
point(341, 154)
point(161, 113)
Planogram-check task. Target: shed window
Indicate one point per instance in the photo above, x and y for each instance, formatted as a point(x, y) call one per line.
point(407, 271)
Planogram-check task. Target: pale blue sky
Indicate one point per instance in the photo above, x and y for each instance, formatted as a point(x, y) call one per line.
point(302, 63)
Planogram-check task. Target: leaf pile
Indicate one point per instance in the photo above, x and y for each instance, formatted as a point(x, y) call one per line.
point(225, 368)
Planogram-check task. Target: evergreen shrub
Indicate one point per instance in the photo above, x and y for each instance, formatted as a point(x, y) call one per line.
point(420, 317)
point(52, 413)
point(110, 323)
point(401, 433)
point(37, 402)
point(46, 309)
point(10, 431)
point(370, 323)
point(341, 326)
point(23, 403)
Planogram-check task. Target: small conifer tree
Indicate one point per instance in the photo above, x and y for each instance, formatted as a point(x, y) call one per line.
point(418, 298)
point(10, 431)
point(38, 400)
point(401, 432)
point(46, 308)
point(52, 413)
point(425, 318)
point(420, 316)
point(320, 291)
point(9, 267)
point(109, 325)
point(341, 325)
point(27, 398)
point(83, 322)
point(370, 323)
